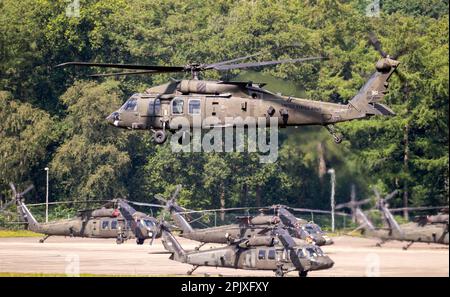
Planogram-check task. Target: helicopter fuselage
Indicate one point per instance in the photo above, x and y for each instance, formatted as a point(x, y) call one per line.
point(220, 104)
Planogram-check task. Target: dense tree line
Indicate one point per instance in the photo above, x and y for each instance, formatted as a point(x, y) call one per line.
point(53, 117)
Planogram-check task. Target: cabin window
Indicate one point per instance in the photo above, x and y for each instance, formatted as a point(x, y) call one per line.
point(131, 104)
point(194, 106)
point(261, 255)
point(271, 255)
point(113, 225)
point(105, 225)
point(177, 106)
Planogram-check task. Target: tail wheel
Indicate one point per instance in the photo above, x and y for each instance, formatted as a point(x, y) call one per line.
point(139, 241)
point(160, 136)
point(279, 272)
point(303, 273)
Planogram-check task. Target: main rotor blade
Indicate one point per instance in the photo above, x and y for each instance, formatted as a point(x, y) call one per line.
point(66, 202)
point(146, 204)
point(5, 206)
point(209, 66)
point(220, 209)
point(126, 66)
point(159, 197)
point(391, 195)
point(125, 73)
point(30, 187)
point(13, 188)
point(176, 193)
point(354, 204)
point(376, 44)
point(264, 63)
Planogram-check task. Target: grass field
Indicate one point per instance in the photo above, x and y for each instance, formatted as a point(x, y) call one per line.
point(18, 233)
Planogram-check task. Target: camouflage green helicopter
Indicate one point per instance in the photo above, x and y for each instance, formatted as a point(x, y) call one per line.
point(116, 219)
point(232, 104)
point(247, 227)
point(433, 230)
point(278, 252)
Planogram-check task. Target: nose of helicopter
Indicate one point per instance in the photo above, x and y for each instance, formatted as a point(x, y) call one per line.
point(322, 262)
point(113, 118)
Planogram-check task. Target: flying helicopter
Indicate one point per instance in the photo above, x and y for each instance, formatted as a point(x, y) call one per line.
point(434, 230)
point(160, 108)
point(116, 219)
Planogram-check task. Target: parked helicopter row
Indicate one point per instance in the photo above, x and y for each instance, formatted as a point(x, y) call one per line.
point(279, 242)
point(428, 229)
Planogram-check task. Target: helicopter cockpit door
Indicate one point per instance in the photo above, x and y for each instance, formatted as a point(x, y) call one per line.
point(153, 113)
point(129, 111)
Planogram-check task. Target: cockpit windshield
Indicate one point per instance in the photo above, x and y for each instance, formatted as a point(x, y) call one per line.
point(130, 104)
point(313, 228)
point(149, 224)
point(312, 251)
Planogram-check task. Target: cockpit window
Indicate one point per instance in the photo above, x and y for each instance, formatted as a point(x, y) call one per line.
point(149, 223)
point(312, 252)
point(131, 104)
point(177, 106)
point(313, 228)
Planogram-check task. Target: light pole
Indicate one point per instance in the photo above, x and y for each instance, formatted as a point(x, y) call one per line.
point(46, 198)
point(333, 202)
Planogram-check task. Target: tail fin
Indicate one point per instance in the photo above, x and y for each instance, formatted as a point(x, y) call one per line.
point(363, 220)
point(26, 216)
point(179, 219)
point(366, 101)
point(393, 225)
point(173, 246)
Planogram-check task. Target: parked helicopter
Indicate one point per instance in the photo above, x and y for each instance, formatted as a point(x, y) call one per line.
point(116, 219)
point(432, 232)
point(159, 108)
point(248, 226)
point(278, 253)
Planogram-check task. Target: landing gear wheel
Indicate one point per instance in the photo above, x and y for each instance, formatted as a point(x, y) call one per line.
point(160, 136)
point(279, 272)
point(337, 138)
point(41, 240)
point(303, 273)
point(139, 241)
point(120, 240)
